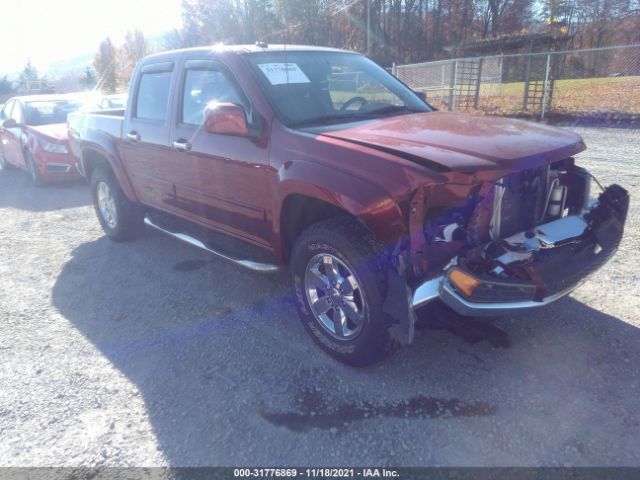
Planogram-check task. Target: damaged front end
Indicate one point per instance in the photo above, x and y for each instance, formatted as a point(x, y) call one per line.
point(510, 244)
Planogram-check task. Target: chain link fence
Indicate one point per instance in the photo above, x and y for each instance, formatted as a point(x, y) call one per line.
point(600, 81)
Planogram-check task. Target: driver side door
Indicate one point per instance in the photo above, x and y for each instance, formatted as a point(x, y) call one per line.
point(222, 180)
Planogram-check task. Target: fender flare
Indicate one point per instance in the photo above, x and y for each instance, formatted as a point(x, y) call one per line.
point(366, 201)
point(103, 146)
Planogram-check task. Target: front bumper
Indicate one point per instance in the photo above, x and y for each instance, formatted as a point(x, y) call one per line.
point(55, 166)
point(545, 263)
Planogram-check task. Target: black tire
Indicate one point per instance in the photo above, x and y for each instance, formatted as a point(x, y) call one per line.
point(32, 167)
point(352, 244)
point(128, 222)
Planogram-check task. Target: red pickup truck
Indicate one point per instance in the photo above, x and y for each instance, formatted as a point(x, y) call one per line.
point(320, 160)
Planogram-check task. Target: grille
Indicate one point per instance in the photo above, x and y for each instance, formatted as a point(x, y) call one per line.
point(58, 167)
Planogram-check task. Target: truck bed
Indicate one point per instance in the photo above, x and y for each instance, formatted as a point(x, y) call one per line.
point(82, 125)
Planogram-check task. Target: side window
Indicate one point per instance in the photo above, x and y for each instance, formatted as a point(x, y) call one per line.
point(6, 111)
point(17, 113)
point(153, 96)
point(204, 86)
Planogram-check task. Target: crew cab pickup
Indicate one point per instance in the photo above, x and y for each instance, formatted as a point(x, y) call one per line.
point(320, 160)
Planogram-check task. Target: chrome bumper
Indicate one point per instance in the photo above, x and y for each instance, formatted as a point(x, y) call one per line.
point(585, 241)
point(441, 288)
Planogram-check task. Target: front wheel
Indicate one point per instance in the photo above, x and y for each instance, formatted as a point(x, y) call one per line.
point(120, 218)
point(340, 288)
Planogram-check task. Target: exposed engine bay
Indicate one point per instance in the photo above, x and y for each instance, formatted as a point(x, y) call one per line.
point(497, 210)
point(517, 241)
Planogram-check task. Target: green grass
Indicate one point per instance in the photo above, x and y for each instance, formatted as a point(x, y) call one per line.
point(577, 96)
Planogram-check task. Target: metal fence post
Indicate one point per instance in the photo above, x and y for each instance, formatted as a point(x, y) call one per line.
point(452, 85)
point(394, 69)
point(501, 73)
point(527, 72)
point(478, 83)
point(545, 88)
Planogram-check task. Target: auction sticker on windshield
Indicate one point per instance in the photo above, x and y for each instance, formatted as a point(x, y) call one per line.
point(281, 73)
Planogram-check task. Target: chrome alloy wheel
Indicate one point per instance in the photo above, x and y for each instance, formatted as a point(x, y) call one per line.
point(107, 205)
point(335, 296)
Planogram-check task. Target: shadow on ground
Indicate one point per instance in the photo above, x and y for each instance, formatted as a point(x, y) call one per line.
point(229, 377)
point(17, 191)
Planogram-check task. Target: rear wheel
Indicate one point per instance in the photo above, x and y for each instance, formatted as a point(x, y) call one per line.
point(120, 218)
point(340, 288)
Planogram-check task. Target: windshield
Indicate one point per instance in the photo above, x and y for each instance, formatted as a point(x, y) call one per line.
point(50, 112)
point(319, 88)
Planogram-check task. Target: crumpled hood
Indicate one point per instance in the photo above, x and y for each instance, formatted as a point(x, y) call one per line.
point(56, 131)
point(460, 142)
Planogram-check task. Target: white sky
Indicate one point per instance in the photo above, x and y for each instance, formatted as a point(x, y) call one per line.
point(51, 30)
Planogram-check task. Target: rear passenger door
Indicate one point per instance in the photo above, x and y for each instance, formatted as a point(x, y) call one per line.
point(146, 149)
point(222, 180)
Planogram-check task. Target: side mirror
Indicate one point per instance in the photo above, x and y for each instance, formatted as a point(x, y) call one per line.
point(226, 119)
point(9, 123)
point(421, 95)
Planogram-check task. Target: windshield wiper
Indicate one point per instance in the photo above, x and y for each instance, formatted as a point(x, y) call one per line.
point(322, 120)
point(354, 116)
point(390, 109)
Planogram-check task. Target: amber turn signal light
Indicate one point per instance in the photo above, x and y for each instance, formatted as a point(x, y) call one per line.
point(463, 281)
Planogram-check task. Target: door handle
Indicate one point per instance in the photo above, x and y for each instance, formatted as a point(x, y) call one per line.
point(181, 145)
point(133, 136)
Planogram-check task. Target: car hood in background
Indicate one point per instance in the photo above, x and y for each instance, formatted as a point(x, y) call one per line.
point(56, 131)
point(460, 142)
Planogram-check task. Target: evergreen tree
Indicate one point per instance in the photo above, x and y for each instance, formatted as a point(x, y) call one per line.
point(88, 79)
point(29, 78)
point(6, 87)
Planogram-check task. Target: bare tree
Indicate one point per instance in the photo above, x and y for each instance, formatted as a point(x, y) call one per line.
point(135, 48)
point(106, 66)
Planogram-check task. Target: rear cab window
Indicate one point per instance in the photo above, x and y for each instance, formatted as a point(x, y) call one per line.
point(153, 92)
point(152, 105)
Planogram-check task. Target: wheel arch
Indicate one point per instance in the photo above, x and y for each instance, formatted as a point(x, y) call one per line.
point(311, 194)
point(93, 158)
point(300, 211)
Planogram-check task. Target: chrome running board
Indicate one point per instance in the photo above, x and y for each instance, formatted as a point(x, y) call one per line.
point(250, 264)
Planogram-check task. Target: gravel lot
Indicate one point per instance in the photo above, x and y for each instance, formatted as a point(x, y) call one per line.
point(153, 353)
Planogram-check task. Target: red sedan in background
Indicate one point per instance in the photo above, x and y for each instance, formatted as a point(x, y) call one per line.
point(33, 136)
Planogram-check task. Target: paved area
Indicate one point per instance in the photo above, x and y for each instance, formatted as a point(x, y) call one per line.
point(153, 353)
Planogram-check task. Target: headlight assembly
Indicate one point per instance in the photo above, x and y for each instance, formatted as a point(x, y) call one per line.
point(53, 147)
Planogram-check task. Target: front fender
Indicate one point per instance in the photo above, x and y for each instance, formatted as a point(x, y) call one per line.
point(366, 201)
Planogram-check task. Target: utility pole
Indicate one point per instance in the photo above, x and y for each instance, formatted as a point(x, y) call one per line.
point(368, 7)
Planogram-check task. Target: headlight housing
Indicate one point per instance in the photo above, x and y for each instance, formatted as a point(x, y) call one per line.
point(53, 147)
